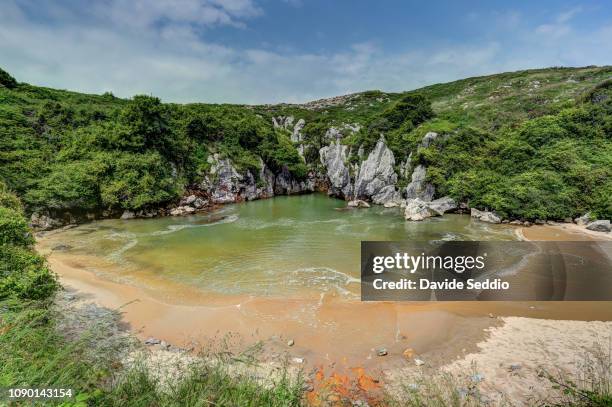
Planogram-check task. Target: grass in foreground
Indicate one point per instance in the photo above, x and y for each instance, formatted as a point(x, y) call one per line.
point(34, 353)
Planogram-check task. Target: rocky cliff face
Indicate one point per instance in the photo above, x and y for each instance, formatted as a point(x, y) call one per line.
point(224, 184)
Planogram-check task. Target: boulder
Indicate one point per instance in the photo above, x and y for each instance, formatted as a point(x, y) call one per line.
point(417, 210)
point(584, 219)
point(358, 203)
point(376, 172)
point(428, 139)
point(128, 215)
point(485, 216)
point(442, 205)
point(600, 226)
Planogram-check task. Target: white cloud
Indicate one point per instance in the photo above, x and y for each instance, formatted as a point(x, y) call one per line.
point(130, 49)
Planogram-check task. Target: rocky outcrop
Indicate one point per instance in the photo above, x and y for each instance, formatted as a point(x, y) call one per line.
point(225, 184)
point(377, 175)
point(44, 222)
point(430, 137)
point(600, 226)
point(485, 216)
point(334, 159)
point(286, 123)
point(418, 187)
point(417, 209)
point(584, 219)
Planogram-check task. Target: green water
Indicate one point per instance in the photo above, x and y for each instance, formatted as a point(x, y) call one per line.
point(281, 246)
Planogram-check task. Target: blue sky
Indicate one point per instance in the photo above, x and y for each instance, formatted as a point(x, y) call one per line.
point(268, 51)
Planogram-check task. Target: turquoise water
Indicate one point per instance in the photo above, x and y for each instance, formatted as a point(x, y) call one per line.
point(282, 246)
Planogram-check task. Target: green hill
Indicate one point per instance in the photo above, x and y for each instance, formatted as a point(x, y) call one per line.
point(529, 144)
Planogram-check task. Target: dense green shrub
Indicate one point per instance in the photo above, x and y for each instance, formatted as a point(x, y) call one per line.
point(413, 108)
point(135, 181)
point(14, 228)
point(7, 80)
point(24, 274)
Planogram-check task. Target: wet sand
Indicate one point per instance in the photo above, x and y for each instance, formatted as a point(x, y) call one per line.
point(342, 334)
point(561, 232)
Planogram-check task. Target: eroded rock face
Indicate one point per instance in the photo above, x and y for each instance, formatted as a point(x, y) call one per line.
point(377, 173)
point(286, 184)
point(418, 187)
point(44, 222)
point(225, 187)
point(225, 184)
point(485, 216)
point(333, 158)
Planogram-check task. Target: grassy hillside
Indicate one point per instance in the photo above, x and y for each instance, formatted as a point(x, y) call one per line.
point(529, 144)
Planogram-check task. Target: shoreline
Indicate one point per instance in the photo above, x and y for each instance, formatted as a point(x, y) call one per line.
point(328, 333)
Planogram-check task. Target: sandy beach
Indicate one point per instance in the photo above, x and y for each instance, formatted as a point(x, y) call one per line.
point(340, 335)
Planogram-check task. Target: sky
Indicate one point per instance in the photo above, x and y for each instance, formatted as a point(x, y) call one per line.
point(270, 51)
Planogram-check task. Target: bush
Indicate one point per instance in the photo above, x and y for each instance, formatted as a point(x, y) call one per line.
point(14, 228)
point(135, 181)
point(24, 274)
point(7, 80)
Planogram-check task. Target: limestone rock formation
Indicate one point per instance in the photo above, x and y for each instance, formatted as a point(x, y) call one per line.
point(333, 158)
point(377, 173)
point(418, 187)
point(387, 195)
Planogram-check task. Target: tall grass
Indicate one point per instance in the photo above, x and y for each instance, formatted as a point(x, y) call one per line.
point(38, 350)
point(591, 386)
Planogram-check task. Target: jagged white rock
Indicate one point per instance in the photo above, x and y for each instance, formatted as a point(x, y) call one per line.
point(376, 173)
